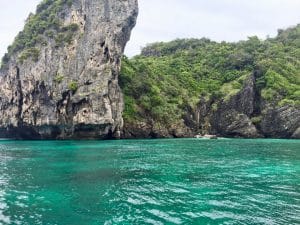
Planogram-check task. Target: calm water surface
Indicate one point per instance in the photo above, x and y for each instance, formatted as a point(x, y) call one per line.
point(179, 181)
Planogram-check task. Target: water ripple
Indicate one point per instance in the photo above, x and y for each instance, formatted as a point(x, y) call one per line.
point(182, 181)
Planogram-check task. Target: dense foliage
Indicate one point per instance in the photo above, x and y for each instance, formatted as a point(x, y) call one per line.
point(168, 78)
point(39, 28)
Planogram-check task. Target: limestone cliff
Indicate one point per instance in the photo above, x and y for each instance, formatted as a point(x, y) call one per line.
point(66, 84)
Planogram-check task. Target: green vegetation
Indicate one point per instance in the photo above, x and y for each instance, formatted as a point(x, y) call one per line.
point(39, 27)
point(256, 120)
point(58, 78)
point(66, 36)
point(73, 86)
point(29, 52)
point(168, 79)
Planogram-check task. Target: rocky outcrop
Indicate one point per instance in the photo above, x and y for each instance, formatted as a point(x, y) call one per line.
point(242, 115)
point(296, 134)
point(152, 129)
point(281, 122)
point(246, 115)
point(232, 118)
point(70, 90)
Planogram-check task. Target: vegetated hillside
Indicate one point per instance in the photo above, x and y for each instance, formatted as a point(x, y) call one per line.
point(188, 86)
point(59, 78)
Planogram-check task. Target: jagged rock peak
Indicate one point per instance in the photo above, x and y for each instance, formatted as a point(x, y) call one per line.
point(59, 78)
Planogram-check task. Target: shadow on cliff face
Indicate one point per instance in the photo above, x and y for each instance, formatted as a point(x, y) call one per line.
point(83, 131)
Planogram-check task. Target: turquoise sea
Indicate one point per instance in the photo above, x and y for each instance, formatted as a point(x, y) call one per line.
point(170, 181)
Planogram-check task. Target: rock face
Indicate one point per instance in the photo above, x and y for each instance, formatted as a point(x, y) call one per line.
point(156, 130)
point(246, 115)
point(233, 117)
point(281, 122)
point(242, 115)
point(71, 90)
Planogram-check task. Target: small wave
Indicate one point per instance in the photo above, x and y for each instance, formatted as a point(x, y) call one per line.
point(165, 216)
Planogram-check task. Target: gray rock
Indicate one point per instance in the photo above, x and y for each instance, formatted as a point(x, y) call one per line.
point(281, 122)
point(296, 134)
point(86, 102)
point(235, 124)
point(233, 117)
point(152, 129)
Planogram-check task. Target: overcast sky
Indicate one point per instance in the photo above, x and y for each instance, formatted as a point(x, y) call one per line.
point(164, 20)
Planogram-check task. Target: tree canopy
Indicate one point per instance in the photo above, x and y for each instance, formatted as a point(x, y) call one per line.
point(167, 78)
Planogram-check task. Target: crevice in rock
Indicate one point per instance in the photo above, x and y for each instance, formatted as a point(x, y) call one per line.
point(106, 54)
point(257, 94)
point(64, 108)
point(20, 99)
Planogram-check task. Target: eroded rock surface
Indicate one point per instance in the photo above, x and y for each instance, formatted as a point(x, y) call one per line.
point(71, 90)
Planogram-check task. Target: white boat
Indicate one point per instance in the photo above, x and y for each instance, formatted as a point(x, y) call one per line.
point(206, 136)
